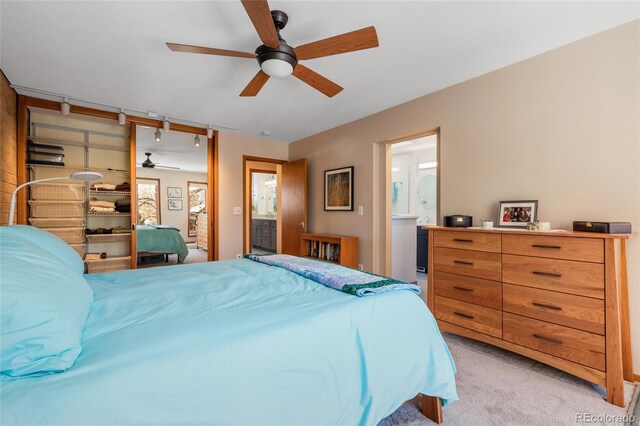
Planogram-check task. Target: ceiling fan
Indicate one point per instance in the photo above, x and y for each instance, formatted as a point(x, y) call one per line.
point(151, 165)
point(277, 59)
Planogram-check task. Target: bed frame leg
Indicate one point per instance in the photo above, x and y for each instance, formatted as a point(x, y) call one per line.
point(432, 408)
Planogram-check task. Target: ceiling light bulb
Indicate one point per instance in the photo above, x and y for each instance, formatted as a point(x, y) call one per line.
point(209, 133)
point(158, 135)
point(65, 108)
point(277, 68)
point(196, 141)
point(165, 125)
point(122, 117)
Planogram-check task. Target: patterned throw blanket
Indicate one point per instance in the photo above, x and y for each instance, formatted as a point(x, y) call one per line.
point(334, 276)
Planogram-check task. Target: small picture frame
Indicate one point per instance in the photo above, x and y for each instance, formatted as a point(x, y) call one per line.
point(517, 214)
point(174, 192)
point(175, 204)
point(338, 189)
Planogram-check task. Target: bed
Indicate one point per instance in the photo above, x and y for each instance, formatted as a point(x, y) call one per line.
point(160, 240)
point(229, 342)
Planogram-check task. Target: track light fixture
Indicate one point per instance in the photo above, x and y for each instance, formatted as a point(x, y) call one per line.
point(65, 107)
point(122, 117)
point(209, 132)
point(165, 125)
point(158, 135)
point(196, 141)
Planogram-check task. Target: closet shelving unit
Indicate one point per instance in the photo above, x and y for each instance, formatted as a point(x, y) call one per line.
point(66, 212)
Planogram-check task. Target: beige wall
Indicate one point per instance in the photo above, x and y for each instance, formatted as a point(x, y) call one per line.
point(176, 179)
point(232, 147)
point(562, 127)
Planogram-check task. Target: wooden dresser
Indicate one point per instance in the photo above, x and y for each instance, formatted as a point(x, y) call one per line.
point(203, 236)
point(557, 297)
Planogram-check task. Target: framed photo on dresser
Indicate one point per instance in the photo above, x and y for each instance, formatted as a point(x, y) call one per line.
point(516, 214)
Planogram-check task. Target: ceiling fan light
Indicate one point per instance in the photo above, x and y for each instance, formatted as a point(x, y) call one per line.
point(277, 68)
point(65, 107)
point(196, 141)
point(158, 135)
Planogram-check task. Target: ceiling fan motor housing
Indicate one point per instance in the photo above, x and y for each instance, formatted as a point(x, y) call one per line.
point(284, 52)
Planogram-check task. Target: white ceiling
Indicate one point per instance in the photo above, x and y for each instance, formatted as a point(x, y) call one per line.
point(175, 149)
point(114, 53)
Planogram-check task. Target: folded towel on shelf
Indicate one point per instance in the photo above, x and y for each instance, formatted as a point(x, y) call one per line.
point(98, 209)
point(123, 202)
point(94, 202)
point(103, 187)
point(124, 186)
point(98, 231)
point(121, 230)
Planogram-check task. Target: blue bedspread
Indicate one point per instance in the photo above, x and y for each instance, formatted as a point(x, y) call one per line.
point(237, 342)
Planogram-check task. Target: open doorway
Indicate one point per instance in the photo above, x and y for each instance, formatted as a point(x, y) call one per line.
point(274, 205)
point(414, 204)
point(264, 212)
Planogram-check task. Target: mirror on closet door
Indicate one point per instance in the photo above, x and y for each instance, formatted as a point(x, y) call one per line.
point(171, 171)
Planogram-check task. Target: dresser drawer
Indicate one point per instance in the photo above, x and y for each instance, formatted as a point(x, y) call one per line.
point(480, 241)
point(474, 317)
point(569, 248)
point(265, 242)
point(468, 289)
point(264, 231)
point(566, 276)
point(564, 342)
point(470, 263)
point(583, 313)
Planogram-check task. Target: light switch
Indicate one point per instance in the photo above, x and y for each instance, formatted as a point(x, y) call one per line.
point(237, 211)
point(360, 211)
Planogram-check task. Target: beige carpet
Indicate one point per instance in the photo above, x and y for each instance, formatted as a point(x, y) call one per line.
point(496, 387)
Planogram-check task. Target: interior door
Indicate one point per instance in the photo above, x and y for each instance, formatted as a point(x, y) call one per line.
point(293, 205)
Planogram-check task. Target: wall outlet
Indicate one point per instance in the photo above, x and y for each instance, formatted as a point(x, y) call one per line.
point(237, 211)
point(238, 256)
point(360, 211)
point(360, 267)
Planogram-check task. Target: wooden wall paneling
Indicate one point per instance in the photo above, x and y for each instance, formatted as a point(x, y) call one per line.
point(8, 150)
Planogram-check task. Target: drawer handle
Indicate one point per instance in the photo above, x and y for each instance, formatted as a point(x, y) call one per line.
point(460, 240)
point(547, 274)
point(542, 305)
point(548, 339)
point(544, 246)
point(462, 262)
point(460, 314)
point(470, 290)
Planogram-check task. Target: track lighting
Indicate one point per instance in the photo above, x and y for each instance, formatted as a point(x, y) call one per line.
point(196, 141)
point(209, 132)
point(158, 135)
point(65, 108)
point(165, 125)
point(122, 117)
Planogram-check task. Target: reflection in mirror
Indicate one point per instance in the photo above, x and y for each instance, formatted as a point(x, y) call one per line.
point(264, 212)
point(172, 194)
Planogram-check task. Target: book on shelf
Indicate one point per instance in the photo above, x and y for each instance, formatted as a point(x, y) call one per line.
point(323, 250)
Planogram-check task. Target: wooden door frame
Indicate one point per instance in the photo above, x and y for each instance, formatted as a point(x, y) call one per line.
point(388, 222)
point(25, 102)
point(246, 207)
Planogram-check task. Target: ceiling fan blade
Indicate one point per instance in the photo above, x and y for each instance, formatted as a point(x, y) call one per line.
point(166, 167)
point(365, 38)
point(260, 15)
point(176, 47)
point(316, 81)
point(255, 84)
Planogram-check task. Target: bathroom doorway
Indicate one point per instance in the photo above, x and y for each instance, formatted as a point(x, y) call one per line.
point(264, 212)
point(414, 204)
